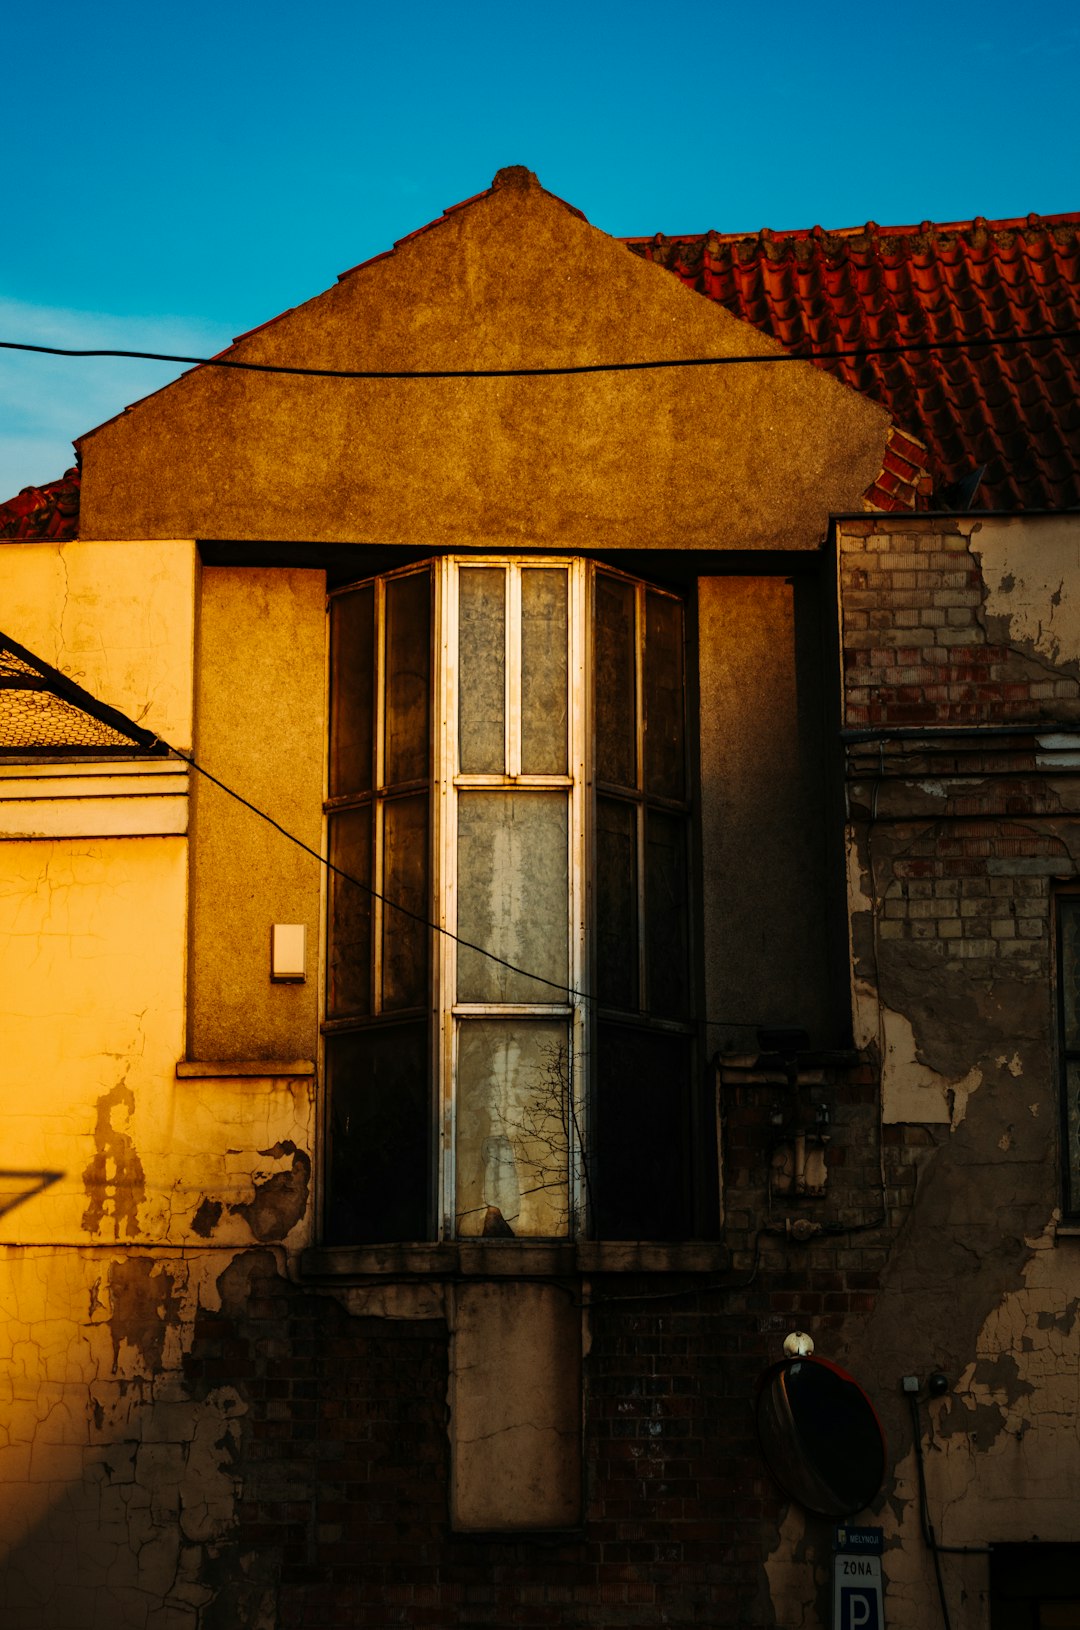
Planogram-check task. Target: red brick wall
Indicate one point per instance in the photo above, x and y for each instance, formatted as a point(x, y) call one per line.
point(914, 640)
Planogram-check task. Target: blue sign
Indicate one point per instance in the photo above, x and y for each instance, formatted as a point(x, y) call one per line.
point(858, 1609)
point(859, 1540)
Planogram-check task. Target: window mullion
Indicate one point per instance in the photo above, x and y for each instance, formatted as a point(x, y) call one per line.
point(514, 700)
point(578, 1038)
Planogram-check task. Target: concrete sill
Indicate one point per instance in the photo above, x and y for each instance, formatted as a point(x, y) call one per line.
point(512, 1259)
point(196, 1069)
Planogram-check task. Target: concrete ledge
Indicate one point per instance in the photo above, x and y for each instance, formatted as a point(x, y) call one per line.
point(192, 1069)
point(512, 1259)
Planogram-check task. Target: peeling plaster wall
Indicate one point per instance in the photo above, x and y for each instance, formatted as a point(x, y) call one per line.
point(116, 1479)
point(957, 843)
point(1031, 582)
point(128, 1186)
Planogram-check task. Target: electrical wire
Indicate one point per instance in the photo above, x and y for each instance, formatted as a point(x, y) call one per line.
point(847, 353)
point(571, 992)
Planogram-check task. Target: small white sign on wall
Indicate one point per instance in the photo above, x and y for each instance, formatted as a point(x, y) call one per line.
point(288, 952)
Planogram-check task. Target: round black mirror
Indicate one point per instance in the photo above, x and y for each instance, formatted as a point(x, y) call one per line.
point(820, 1436)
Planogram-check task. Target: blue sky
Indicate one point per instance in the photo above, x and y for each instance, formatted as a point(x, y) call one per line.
point(173, 176)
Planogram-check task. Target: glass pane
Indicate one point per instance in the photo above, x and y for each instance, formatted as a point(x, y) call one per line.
point(379, 1135)
point(405, 871)
point(408, 678)
point(349, 968)
point(640, 1171)
point(513, 1121)
point(543, 672)
point(663, 688)
point(1069, 911)
point(616, 683)
point(667, 985)
point(512, 894)
point(616, 904)
point(1072, 1136)
point(352, 655)
point(482, 669)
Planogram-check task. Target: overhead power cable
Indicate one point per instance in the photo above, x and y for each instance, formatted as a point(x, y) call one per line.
point(569, 991)
point(842, 354)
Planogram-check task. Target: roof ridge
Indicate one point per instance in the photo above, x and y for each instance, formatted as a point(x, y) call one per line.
point(766, 234)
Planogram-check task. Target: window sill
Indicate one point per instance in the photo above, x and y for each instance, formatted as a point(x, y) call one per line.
point(512, 1259)
point(196, 1069)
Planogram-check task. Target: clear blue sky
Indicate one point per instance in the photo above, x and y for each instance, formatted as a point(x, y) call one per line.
point(175, 175)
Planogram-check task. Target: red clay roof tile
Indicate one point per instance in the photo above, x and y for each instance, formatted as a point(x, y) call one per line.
point(1016, 410)
point(49, 512)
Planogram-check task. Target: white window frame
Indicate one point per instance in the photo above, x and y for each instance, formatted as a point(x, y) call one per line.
point(449, 782)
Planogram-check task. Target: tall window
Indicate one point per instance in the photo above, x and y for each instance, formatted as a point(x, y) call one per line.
point(508, 763)
point(1068, 921)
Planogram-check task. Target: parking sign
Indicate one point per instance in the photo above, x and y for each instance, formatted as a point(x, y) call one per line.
point(857, 1580)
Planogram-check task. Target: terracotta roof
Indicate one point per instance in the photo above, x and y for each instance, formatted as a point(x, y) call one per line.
point(43, 711)
point(1015, 410)
point(51, 511)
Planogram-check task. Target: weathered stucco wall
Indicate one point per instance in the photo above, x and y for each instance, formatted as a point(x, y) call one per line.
point(765, 806)
point(959, 841)
point(734, 457)
point(261, 730)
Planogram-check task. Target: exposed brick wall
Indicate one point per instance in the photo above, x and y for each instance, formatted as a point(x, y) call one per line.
point(344, 1460)
point(915, 644)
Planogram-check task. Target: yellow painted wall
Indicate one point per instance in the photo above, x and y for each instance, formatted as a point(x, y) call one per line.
point(118, 618)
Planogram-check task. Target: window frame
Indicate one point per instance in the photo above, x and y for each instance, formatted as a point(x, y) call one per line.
point(582, 1012)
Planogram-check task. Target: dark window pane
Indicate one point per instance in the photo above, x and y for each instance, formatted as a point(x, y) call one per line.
point(543, 672)
point(349, 969)
point(663, 689)
point(352, 683)
point(379, 1134)
point(513, 892)
point(616, 896)
point(1069, 910)
point(408, 678)
point(1072, 1136)
point(639, 1151)
point(667, 984)
point(616, 684)
point(482, 670)
point(405, 871)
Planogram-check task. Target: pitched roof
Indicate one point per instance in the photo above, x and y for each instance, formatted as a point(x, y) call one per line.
point(1016, 410)
point(43, 711)
point(51, 511)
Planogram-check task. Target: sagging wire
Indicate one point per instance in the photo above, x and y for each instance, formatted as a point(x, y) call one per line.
point(840, 354)
point(571, 992)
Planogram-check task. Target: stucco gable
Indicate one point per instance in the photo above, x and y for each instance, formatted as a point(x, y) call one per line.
point(739, 457)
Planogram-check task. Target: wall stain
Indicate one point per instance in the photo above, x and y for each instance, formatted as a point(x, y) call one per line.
point(114, 1180)
point(144, 1306)
point(280, 1202)
point(207, 1218)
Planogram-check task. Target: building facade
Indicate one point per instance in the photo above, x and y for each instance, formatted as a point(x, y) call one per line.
point(572, 880)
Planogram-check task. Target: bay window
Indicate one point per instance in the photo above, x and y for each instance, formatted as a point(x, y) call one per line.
point(510, 1044)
